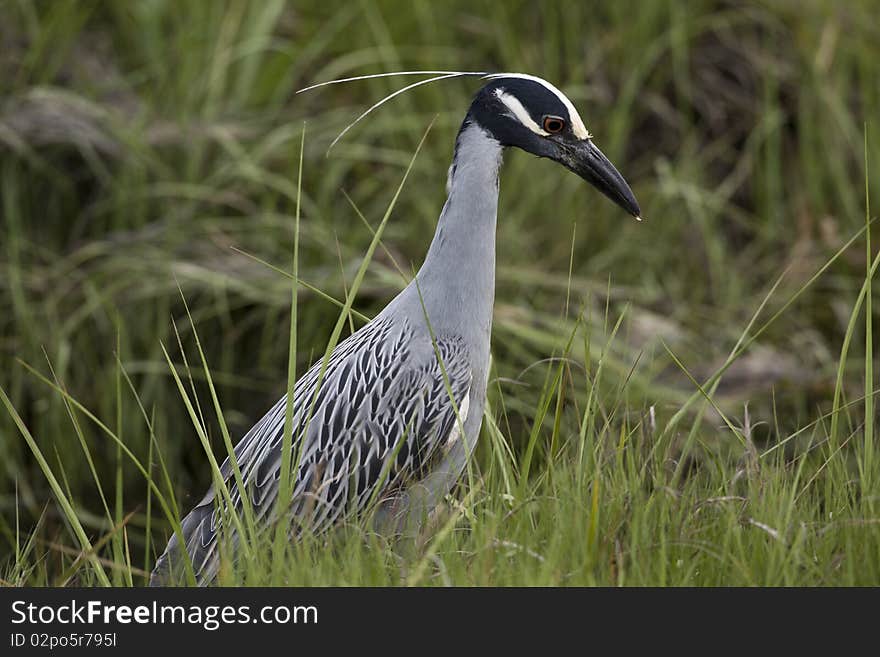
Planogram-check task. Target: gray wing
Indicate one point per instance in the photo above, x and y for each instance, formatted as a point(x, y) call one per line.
point(381, 416)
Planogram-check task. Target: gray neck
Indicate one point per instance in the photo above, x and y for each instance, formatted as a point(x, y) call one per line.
point(457, 280)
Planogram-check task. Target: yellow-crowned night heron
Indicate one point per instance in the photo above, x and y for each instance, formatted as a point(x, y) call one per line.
point(399, 407)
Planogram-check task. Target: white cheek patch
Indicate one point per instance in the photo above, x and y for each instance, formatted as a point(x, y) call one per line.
point(577, 125)
point(519, 112)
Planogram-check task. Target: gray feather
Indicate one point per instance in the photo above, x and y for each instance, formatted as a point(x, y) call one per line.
point(381, 415)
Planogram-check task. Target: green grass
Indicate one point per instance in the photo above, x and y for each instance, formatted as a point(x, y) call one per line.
point(686, 401)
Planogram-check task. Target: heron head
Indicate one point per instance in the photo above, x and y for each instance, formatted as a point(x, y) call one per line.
point(530, 113)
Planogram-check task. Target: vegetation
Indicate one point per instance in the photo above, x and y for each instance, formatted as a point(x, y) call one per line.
point(685, 401)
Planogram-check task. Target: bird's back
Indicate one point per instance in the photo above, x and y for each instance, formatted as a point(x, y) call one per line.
point(375, 422)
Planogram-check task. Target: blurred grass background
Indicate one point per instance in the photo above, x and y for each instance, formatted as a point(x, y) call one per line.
point(140, 141)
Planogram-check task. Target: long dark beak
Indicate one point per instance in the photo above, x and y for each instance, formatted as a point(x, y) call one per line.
point(587, 161)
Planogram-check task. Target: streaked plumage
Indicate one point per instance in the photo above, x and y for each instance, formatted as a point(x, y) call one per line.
point(399, 407)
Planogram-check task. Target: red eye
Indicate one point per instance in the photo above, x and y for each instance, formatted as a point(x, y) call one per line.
point(554, 124)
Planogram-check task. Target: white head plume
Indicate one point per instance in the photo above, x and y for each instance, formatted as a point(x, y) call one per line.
point(577, 123)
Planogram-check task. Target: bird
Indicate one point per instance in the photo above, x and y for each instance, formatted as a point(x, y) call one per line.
point(394, 415)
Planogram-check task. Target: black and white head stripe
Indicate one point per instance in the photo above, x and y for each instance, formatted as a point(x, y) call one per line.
point(518, 111)
point(513, 101)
